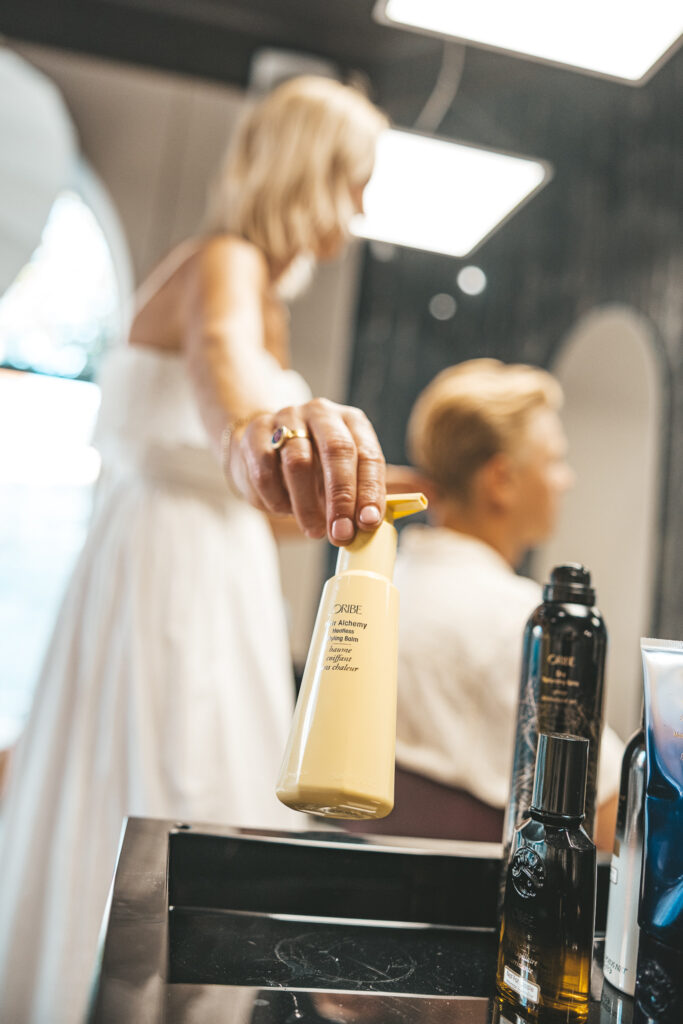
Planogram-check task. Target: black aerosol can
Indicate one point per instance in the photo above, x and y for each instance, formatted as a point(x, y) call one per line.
point(561, 687)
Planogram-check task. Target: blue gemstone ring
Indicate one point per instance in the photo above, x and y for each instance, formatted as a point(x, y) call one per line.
point(284, 434)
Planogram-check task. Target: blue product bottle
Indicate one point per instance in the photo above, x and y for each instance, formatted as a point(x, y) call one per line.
point(659, 978)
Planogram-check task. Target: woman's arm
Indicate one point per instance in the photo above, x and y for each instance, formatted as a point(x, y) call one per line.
point(333, 479)
point(228, 364)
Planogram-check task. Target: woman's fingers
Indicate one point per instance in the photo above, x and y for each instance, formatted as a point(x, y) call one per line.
point(336, 450)
point(371, 472)
point(352, 467)
point(300, 474)
point(262, 468)
point(332, 480)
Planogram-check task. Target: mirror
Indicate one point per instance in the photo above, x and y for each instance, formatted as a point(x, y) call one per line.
point(175, 129)
point(607, 366)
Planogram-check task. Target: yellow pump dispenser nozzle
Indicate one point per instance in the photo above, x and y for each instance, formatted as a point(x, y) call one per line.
point(339, 760)
point(376, 551)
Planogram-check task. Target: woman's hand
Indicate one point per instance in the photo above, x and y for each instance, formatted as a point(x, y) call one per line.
point(331, 479)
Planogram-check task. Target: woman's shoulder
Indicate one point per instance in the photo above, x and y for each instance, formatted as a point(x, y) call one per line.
point(223, 253)
point(224, 272)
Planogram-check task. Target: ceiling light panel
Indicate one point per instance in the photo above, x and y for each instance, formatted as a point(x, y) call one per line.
point(622, 39)
point(443, 196)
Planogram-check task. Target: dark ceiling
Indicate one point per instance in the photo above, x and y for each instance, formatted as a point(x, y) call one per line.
point(215, 38)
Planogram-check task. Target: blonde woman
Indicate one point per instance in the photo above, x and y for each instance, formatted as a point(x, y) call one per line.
point(167, 687)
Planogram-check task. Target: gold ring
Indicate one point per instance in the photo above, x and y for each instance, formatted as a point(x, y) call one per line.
point(284, 434)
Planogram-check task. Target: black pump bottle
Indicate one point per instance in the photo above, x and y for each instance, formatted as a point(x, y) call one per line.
point(561, 686)
point(546, 935)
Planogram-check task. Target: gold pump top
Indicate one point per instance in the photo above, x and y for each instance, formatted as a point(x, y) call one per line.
point(376, 551)
point(400, 505)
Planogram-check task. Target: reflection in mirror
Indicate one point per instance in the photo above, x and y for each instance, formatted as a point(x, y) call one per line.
point(608, 370)
point(196, 1004)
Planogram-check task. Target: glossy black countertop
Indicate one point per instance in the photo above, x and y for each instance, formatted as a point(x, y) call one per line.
point(209, 924)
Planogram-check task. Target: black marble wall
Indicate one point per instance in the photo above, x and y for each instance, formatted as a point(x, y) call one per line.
point(607, 229)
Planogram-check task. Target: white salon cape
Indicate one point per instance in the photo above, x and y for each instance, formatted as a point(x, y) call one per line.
point(462, 619)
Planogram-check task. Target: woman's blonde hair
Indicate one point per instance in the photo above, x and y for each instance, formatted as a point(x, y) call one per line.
point(287, 177)
point(471, 412)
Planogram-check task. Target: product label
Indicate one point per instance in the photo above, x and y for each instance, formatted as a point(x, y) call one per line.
point(559, 678)
point(346, 627)
point(524, 988)
point(615, 972)
point(527, 871)
point(570, 698)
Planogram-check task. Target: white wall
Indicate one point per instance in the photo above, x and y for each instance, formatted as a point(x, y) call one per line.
point(153, 138)
point(156, 140)
point(612, 417)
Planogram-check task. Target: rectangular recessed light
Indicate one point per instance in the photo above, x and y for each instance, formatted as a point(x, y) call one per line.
point(622, 39)
point(443, 196)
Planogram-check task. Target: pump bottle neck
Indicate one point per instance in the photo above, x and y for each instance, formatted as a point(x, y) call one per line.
point(569, 821)
point(375, 551)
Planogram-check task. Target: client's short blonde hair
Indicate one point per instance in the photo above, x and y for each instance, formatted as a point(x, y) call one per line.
point(287, 177)
point(471, 412)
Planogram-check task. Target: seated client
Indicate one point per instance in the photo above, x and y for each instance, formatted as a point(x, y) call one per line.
point(490, 452)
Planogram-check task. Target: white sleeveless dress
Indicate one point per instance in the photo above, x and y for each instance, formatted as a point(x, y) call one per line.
point(166, 690)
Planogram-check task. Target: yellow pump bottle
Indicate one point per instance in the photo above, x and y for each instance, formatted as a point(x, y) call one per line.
point(339, 760)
